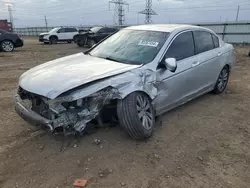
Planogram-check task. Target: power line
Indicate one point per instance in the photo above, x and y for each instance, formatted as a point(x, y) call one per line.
point(119, 13)
point(148, 11)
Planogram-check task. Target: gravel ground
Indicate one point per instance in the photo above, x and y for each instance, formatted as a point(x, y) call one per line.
point(204, 143)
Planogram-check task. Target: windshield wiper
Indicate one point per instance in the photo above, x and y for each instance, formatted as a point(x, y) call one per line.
point(111, 59)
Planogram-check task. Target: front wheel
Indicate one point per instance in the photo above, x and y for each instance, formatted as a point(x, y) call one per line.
point(136, 115)
point(7, 46)
point(222, 81)
point(91, 43)
point(53, 40)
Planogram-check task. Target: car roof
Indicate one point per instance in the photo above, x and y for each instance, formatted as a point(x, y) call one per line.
point(163, 27)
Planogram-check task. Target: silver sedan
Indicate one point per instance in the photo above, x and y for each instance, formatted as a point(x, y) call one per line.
point(128, 79)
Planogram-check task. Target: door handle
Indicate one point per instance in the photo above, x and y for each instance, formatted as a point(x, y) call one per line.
point(220, 53)
point(196, 63)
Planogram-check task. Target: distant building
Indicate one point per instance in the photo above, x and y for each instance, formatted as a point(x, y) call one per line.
point(5, 25)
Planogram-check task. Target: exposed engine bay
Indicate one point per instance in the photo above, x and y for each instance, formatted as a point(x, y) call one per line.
point(71, 117)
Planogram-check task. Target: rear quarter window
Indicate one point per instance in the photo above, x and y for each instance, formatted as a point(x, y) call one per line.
point(216, 41)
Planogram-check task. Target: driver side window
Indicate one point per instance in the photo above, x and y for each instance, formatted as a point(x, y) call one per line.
point(182, 47)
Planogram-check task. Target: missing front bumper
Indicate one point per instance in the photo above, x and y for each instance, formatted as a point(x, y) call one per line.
point(30, 116)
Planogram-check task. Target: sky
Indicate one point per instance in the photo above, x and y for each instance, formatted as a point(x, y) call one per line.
point(30, 13)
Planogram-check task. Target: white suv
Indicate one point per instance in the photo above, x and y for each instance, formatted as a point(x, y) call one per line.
point(64, 34)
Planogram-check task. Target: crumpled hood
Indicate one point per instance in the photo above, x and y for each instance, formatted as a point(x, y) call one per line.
point(58, 76)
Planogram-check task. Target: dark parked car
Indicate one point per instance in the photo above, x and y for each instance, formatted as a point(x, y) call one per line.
point(94, 35)
point(9, 41)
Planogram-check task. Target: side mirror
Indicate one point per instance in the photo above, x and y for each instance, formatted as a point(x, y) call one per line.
point(171, 64)
point(58, 31)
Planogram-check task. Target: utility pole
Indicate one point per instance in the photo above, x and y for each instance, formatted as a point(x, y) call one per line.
point(119, 13)
point(46, 23)
point(237, 15)
point(9, 5)
point(148, 11)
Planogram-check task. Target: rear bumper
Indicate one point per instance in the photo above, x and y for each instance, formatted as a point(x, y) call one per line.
point(19, 43)
point(30, 116)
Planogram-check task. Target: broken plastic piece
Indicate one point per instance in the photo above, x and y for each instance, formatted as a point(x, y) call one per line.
point(80, 182)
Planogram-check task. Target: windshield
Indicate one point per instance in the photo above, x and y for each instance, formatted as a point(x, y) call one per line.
point(131, 46)
point(95, 29)
point(53, 30)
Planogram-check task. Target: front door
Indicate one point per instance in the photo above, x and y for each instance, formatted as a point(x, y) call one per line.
point(175, 88)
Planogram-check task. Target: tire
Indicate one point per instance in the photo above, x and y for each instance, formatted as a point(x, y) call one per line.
point(53, 40)
point(7, 46)
point(132, 111)
point(91, 43)
point(222, 81)
point(249, 54)
point(75, 39)
point(69, 41)
point(82, 41)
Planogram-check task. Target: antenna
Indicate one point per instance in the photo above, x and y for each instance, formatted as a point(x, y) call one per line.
point(148, 12)
point(119, 13)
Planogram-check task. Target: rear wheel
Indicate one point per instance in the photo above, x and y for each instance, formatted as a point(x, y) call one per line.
point(7, 46)
point(53, 40)
point(222, 81)
point(136, 115)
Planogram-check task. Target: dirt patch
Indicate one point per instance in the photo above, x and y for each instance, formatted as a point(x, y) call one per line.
point(204, 143)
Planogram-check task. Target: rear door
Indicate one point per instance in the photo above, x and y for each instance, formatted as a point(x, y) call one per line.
point(61, 34)
point(208, 57)
point(71, 32)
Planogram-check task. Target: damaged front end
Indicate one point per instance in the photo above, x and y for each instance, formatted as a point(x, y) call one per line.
point(63, 113)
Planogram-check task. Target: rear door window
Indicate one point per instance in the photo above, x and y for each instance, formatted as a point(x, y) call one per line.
point(182, 47)
point(203, 41)
point(70, 30)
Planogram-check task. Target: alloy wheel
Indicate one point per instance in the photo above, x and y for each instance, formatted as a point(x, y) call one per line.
point(7, 46)
point(223, 79)
point(145, 113)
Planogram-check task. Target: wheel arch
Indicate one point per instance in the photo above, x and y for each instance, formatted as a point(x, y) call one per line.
point(151, 98)
point(53, 36)
point(7, 40)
